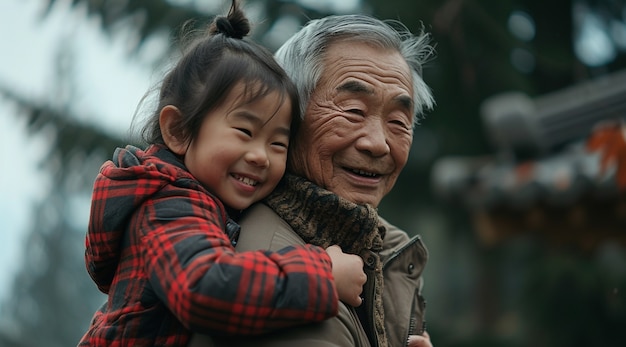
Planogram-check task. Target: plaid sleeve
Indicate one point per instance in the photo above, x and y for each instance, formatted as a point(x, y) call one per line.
point(195, 270)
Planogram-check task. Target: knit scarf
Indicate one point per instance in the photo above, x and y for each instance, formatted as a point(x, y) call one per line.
point(322, 218)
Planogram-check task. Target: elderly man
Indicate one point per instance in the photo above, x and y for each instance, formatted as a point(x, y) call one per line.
point(362, 92)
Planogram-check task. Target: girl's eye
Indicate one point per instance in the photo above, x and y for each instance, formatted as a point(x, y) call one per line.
point(280, 144)
point(245, 131)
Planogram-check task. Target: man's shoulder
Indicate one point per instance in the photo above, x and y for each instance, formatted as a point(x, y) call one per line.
point(262, 228)
point(393, 234)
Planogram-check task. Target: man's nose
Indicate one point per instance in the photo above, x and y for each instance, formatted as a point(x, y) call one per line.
point(373, 139)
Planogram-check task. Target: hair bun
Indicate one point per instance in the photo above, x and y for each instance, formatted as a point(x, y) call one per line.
point(229, 28)
point(234, 25)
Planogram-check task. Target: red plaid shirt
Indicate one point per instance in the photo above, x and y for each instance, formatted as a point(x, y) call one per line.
point(157, 246)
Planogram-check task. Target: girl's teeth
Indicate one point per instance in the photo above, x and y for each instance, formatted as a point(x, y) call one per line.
point(247, 180)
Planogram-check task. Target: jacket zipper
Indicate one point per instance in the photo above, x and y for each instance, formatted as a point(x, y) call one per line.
point(369, 308)
point(412, 324)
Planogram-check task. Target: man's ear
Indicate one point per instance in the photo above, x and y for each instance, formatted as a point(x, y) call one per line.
point(169, 116)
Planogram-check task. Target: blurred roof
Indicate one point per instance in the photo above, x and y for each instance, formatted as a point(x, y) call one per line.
point(559, 166)
point(588, 168)
point(555, 149)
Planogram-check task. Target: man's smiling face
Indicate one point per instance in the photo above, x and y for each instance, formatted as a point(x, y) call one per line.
point(358, 129)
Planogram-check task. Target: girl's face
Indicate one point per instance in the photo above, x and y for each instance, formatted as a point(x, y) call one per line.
point(240, 152)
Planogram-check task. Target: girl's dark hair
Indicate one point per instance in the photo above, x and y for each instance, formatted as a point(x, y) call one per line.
point(208, 71)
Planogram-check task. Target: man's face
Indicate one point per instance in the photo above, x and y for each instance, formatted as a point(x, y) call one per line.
point(358, 129)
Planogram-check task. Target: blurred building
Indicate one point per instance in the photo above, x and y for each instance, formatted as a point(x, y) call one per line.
point(558, 168)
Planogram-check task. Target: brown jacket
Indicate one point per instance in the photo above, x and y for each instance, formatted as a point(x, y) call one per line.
point(403, 261)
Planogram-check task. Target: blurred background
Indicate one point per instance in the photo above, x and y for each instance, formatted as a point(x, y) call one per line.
point(515, 181)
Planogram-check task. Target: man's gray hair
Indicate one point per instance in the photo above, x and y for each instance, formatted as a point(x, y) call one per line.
point(302, 56)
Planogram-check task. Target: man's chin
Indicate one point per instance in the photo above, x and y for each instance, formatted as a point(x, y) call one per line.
point(361, 198)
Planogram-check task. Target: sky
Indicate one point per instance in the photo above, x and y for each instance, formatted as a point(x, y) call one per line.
point(109, 87)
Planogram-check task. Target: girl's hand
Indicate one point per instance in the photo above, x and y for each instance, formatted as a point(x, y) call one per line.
point(348, 274)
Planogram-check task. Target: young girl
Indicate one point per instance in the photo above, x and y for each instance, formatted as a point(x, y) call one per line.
point(160, 242)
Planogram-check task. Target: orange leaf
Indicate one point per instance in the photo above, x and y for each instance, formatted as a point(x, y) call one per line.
point(609, 140)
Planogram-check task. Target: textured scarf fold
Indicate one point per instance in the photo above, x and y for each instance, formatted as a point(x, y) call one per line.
point(322, 218)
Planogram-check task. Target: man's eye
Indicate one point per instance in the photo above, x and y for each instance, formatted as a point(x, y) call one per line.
point(400, 123)
point(245, 131)
point(356, 111)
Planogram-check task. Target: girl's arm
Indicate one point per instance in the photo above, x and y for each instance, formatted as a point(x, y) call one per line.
point(195, 270)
